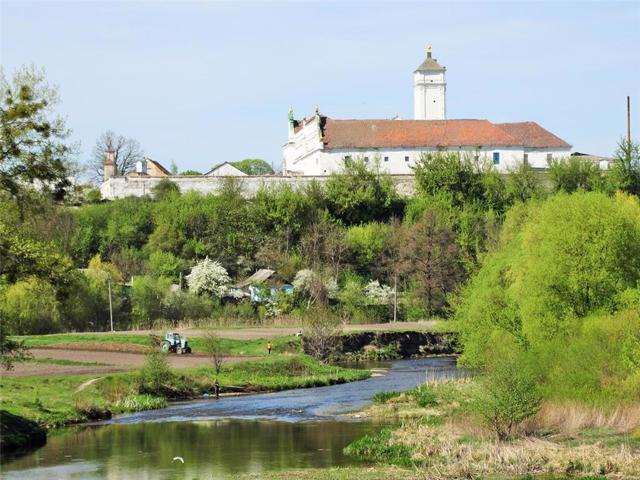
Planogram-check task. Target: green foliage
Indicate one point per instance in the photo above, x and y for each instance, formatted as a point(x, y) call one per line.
point(625, 171)
point(147, 297)
point(181, 306)
point(424, 395)
point(165, 264)
point(574, 173)
point(155, 375)
point(523, 183)
point(559, 263)
point(165, 189)
point(367, 243)
point(384, 397)
point(508, 396)
point(379, 448)
point(462, 178)
point(362, 194)
point(253, 166)
point(30, 306)
point(11, 350)
point(191, 173)
point(32, 140)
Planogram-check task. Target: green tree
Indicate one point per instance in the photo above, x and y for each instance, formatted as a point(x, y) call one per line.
point(461, 177)
point(165, 189)
point(190, 173)
point(253, 166)
point(523, 183)
point(31, 307)
point(33, 146)
point(558, 262)
point(625, 171)
point(360, 193)
point(574, 173)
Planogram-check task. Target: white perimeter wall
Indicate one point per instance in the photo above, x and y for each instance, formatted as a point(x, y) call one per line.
point(119, 187)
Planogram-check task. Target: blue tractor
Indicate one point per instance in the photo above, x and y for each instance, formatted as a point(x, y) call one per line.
point(175, 343)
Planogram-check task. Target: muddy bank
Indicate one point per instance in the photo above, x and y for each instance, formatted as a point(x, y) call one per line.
point(405, 344)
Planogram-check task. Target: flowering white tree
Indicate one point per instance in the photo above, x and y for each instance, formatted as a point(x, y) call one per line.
point(378, 293)
point(314, 286)
point(208, 276)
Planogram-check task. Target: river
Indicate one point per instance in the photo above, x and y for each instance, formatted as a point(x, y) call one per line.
point(292, 429)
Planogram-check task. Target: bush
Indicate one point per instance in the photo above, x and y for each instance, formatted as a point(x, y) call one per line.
point(179, 306)
point(424, 395)
point(156, 375)
point(507, 397)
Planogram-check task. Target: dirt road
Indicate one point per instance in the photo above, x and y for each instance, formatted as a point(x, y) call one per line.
point(267, 332)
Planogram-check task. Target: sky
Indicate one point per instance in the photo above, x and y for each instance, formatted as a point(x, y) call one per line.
point(200, 83)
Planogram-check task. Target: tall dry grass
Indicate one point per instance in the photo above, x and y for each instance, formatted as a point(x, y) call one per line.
point(568, 418)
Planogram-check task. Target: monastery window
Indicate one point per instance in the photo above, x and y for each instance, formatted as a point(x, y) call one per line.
point(386, 159)
point(549, 157)
point(496, 158)
point(406, 158)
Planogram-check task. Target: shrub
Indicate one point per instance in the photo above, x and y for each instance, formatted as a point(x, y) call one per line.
point(508, 396)
point(156, 374)
point(424, 395)
point(180, 306)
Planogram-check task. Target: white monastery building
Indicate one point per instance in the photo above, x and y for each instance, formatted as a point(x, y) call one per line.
point(319, 145)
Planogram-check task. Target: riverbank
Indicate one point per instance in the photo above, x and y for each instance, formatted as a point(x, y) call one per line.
point(442, 438)
point(57, 401)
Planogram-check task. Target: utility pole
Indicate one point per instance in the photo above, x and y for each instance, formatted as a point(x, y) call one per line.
point(628, 121)
point(110, 303)
point(395, 296)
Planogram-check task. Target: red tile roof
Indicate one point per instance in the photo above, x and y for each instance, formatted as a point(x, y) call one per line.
point(413, 133)
point(532, 135)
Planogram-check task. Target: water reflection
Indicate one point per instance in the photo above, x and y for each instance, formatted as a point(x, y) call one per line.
point(211, 449)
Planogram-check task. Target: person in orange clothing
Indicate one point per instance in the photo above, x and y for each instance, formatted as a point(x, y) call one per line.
point(269, 347)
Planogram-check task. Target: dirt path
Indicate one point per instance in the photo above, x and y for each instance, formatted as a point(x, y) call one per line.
point(114, 362)
point(254, 333)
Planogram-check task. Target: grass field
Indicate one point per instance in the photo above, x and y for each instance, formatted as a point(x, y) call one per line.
point(251, 348)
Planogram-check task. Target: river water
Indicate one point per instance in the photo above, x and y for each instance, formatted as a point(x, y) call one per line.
point(222, 438)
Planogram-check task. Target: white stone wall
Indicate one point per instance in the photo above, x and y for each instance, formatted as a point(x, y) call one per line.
point(429, 96)
point(119, 187)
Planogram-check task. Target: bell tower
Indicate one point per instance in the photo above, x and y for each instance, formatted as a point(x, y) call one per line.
point(429, 90)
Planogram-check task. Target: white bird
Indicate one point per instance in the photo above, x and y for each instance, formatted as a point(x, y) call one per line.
point(178, 458)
